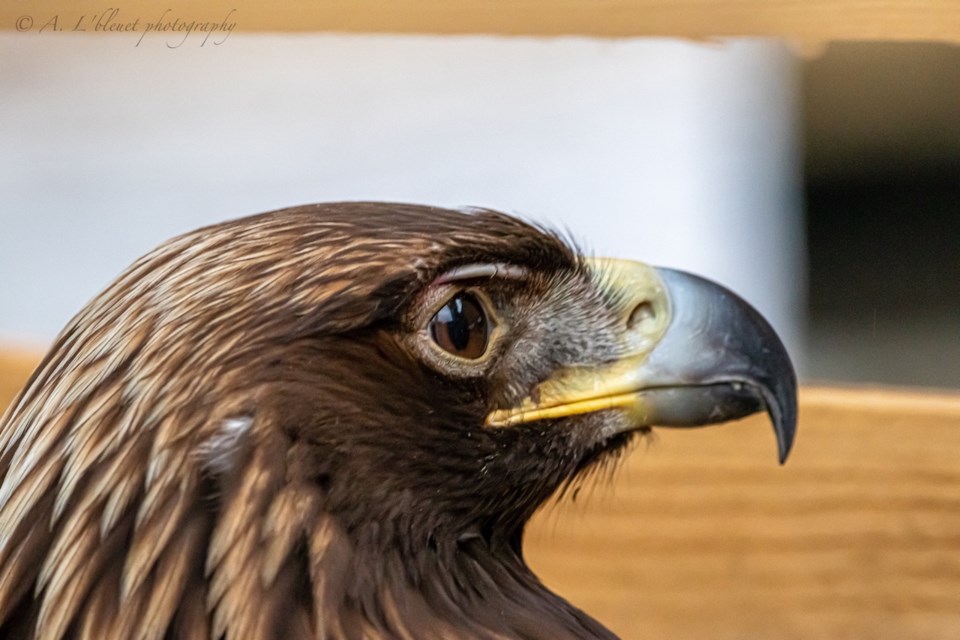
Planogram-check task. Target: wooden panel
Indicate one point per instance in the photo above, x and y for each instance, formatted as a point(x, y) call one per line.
point(701, 534)
point(15, 367)
point(802, 20)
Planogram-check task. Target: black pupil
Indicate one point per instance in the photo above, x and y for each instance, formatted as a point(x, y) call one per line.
point(460, 327)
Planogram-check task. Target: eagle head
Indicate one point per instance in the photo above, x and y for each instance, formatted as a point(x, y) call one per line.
point(334, 421)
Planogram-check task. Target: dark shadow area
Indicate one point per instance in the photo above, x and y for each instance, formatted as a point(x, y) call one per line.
point(883, 199)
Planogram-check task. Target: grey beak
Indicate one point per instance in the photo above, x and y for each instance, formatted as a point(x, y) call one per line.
point(719, 360)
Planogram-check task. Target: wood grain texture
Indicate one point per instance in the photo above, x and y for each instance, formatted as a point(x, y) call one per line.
point(700, 534)
point(813, 21)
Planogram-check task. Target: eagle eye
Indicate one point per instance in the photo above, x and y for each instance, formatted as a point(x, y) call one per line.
point(461, 327)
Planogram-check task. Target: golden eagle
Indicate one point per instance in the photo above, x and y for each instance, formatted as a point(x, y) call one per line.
point(334, 421)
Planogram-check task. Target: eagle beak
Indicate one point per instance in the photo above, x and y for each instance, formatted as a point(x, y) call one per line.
point(695, 354)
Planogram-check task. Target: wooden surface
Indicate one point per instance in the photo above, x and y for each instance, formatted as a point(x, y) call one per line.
point(16, 365)
point(811, 21)
point(703, 535)
point(700, 534)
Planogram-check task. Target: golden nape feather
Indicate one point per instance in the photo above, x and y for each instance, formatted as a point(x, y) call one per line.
point(334, 421)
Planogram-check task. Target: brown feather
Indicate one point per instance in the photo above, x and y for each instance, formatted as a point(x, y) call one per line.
point(234, 441)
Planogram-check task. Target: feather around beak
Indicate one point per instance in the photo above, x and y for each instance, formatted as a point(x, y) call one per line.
point(697, 354)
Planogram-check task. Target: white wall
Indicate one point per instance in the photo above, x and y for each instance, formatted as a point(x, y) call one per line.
point(676, 153)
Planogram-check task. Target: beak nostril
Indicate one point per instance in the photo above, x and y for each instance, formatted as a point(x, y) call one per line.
point(641, 314)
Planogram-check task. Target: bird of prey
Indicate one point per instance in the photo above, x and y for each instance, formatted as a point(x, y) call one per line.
point(334, 421)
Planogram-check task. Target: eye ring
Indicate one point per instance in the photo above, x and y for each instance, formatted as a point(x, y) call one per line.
point(461, 327)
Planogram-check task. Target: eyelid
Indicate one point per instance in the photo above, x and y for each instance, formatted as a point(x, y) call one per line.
point(483, 270)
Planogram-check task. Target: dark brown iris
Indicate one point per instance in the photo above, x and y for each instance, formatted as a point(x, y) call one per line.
point(460, 327)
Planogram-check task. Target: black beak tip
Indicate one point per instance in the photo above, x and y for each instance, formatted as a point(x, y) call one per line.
point(785, 431)
point(782, 408)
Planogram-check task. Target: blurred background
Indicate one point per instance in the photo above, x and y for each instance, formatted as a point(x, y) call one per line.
point(825, 188)
point(882, 195)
